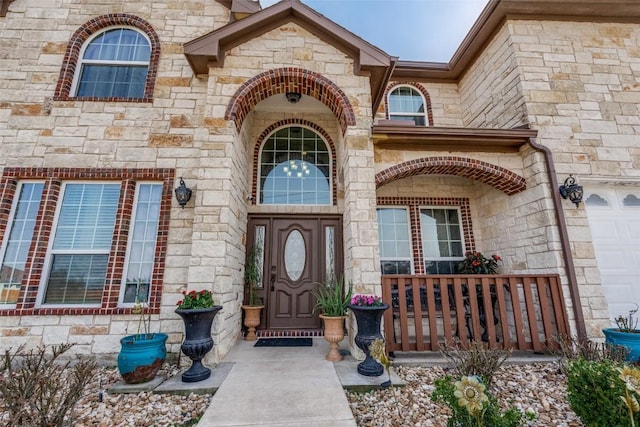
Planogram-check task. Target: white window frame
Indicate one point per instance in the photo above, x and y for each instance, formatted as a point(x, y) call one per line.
point(404, 113)
point(81, 61)
point(47, 265)
point(411, 238)
point(12, 214)
point(259, 160)
point(134, 211)
point(460, 225)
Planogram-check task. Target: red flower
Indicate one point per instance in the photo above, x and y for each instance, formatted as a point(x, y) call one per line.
point(179, 302)
point(184, 292)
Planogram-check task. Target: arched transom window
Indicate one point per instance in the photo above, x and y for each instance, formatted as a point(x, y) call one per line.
point(406, 103)
point(114, 63)
point(295, 168)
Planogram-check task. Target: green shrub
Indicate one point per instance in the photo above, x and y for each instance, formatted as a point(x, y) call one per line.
point(490, 416)
point(594, 391)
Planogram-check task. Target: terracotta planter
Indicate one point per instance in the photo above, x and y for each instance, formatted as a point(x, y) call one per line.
point(368, 320)
point(251, 320)
point(197, 341)
point(333, 333)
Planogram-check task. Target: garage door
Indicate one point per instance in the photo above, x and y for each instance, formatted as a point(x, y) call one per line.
point(614, 218)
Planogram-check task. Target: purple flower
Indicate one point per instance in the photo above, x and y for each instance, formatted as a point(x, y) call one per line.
point(366, 300)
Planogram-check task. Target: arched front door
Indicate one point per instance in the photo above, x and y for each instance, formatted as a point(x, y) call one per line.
point(298, 251)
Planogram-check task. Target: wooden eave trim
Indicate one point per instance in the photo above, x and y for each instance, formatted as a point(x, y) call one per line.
point(396, 137)
point(493, 17)
point(4, 7)
point(209, 48)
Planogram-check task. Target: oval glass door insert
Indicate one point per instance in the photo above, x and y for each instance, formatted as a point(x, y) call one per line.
point(294, 255)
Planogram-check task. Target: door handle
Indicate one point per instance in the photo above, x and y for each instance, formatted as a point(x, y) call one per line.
point(273, 278)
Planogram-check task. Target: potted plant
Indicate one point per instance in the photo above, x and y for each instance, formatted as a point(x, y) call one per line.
point(253, 307)
point(476, 263)
point(142, 354)
point(368, 310)
point(333, 301)
point(625, 335)
point(197, 310)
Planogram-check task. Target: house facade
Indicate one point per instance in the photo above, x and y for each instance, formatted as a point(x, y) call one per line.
point(300, 139)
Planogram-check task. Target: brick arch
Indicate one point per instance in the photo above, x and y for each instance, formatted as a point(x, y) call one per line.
point(498, 177)
point(416, 86)
point(281, 80)
point(82, 34)
point(290, 122)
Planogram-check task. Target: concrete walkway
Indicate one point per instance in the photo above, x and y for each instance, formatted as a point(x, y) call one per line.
point(282, 386)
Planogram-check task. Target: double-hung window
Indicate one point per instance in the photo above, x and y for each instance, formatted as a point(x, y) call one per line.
point(395, 240)
point(442, 245)
point(90, 240)
point(80, 248)
point(114, 64)
point(406, 103)
point(142, 243)
point(15, 249)
point(423, 235)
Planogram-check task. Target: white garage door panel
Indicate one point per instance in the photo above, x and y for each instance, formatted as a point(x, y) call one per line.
point(615, 229)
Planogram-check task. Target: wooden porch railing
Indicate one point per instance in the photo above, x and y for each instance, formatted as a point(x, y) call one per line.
point(523, 312)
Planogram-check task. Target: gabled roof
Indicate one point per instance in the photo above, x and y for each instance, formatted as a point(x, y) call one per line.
point(209, 50)
point(497, 12)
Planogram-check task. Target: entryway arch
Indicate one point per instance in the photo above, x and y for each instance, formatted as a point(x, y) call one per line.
point(283, 80)
point(497, 177)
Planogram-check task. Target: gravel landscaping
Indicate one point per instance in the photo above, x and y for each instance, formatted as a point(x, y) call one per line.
point(538, 387)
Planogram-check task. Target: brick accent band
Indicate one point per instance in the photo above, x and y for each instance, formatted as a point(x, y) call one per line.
point(498, 177)
point(282, 80)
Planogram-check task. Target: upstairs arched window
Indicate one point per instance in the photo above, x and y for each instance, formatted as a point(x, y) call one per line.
point(113, 64)
point(407, 103)
point(295, 168)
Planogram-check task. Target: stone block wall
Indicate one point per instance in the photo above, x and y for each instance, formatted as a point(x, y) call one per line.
point(581, 85)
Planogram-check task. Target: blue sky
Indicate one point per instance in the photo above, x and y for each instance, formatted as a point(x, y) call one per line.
point(414, 30)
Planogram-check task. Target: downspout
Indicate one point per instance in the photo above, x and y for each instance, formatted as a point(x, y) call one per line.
point(564, 241)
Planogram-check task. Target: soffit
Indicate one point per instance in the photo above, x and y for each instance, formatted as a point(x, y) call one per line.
point(397, 136)
point(497, 12)
point(209, 49)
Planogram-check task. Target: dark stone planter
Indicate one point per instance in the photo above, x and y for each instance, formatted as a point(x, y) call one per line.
point(368, 320)
point(197, 340)
point(630, 340)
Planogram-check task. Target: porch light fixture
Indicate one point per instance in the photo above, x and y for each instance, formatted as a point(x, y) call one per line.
point(183, 194)
point(571, 190)
point(293, 97)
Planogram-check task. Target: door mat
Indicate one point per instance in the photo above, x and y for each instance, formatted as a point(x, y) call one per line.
point(284, 342)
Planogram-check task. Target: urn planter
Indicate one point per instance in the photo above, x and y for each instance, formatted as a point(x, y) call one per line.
point(251, 320)
point(630, 340)
point(333, 334)
point(197, 340)
point(368, 319)
point(141, 356)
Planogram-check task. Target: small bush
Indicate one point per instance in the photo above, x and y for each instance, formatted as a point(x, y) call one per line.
point(477, 360)
point(36, 389)
point(489, 416)
point(594, 391)
point(570, 348)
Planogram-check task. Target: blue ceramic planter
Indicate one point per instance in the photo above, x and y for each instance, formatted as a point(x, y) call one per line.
point(141, 357)
point(630, 340)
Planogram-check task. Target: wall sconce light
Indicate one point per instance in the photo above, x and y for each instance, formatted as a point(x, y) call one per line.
point(183, 194)
point(571, 190)
point(293, 97)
